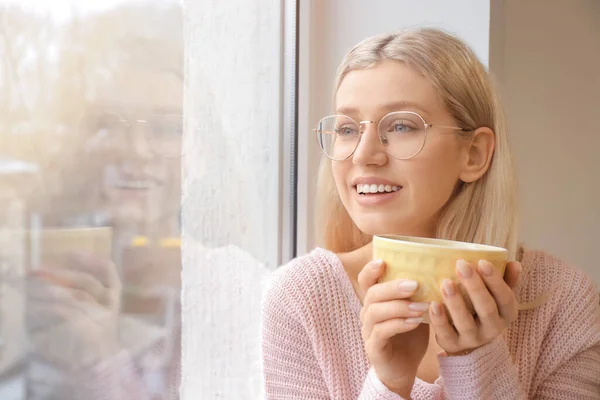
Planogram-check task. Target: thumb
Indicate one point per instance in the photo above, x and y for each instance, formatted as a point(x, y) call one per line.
point(512, 273)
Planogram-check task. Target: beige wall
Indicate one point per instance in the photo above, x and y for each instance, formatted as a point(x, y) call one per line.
point(546, 57)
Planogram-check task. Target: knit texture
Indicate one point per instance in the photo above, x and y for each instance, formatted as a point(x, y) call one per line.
point(313, 349)
point(124, 377)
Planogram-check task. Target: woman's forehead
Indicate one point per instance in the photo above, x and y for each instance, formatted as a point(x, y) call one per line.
point(388, 86)
point(402, 105)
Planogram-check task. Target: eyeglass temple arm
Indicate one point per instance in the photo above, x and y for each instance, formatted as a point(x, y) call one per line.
point(447, 127)
point(321, 130)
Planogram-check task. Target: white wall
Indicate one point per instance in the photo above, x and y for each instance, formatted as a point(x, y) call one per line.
point(546, 56)
point(328, 30)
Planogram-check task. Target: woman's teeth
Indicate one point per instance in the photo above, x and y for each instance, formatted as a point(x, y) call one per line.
point(141, 184)
point(364, 189)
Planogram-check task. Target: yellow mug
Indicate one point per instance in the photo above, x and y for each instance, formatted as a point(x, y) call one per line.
point(430, 261)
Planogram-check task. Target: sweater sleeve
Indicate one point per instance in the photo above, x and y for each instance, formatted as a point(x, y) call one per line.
point(375, 389)
point(290, 366)
point(568, 365)
point(486, 373)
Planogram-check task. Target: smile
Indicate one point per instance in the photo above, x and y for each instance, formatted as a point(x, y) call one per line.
point(136, 184)
point(375, 189)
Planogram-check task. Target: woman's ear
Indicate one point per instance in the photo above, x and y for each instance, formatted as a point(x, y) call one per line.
point(479, 154)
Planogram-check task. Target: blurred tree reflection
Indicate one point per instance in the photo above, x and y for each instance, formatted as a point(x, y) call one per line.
point(93, 102)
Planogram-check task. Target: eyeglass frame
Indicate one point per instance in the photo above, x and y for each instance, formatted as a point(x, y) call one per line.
point(128, 119)
point(361, 131)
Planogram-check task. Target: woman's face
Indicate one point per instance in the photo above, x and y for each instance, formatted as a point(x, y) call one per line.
point(425, 182)
point(139, 149)
point(139, 154)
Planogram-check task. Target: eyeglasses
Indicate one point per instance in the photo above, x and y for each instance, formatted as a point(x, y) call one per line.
point(402, 134)
point(162, 132)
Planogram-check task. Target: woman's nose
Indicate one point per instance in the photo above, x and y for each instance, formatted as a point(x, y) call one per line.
point(369, 151)
point(139, 141)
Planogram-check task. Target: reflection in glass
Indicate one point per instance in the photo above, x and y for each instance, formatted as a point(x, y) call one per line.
point(90, 185)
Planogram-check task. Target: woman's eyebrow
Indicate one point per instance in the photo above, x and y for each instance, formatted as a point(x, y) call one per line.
point(402, 105)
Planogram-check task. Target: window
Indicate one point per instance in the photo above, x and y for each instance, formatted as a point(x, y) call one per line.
point(91, 124)
point(129, 131)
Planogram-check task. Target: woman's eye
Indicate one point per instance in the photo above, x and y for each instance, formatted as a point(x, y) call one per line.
point(345, 130)
point(401, 127)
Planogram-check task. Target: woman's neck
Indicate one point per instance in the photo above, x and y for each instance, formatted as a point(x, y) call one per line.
point(355, 260)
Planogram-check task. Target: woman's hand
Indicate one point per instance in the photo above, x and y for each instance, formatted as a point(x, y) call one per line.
point(73, 309)
point(493, 300)
point(395, 340)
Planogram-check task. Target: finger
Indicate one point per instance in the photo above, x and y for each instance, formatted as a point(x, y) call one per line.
point(102, 269)
point(49, 278)
point(370, 274)
point(48, 305)
point(380, 312)
point(41, 295)
point(483, 302)
point(384, 331)
point(40, 288)
point(512, 273)
point(68, 298)
point(392, 290)
point(461, 317)
point(73, 279)
point(444, 331)
point(501, 292)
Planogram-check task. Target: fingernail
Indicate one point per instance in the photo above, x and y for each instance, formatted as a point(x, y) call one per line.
point(419, 306)
point(448, 287)
point(408, 286)
point(413, 321)
point(376, 264)
point(436, 308)
point(486, 268)
point(464, 269)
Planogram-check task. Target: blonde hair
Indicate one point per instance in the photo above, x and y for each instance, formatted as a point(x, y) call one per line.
point(483, 211)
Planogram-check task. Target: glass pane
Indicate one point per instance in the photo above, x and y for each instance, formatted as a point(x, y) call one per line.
point(402, 133)
point(234, 174)
point(338, 136)
point(91, 121)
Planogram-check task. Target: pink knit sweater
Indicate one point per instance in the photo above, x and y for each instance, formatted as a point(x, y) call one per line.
point(312, 346)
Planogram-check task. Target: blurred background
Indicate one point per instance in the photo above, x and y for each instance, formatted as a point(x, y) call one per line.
point(91, 105)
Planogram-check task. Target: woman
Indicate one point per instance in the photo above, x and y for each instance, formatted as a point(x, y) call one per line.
point(331, 331)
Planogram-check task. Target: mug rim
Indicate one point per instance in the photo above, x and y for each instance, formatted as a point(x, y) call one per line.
point(436, 243)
